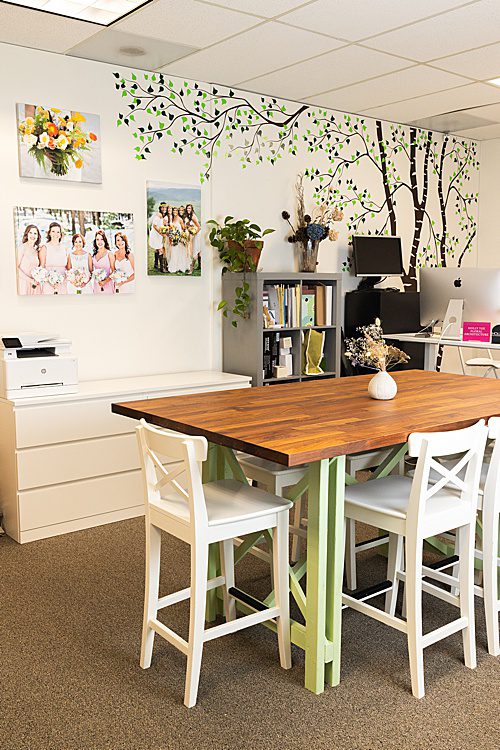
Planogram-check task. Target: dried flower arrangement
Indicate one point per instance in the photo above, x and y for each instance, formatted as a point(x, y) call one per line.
point(370, 349)
point(316, 227)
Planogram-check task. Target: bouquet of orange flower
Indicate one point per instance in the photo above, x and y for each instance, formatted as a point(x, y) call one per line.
point(55, 139)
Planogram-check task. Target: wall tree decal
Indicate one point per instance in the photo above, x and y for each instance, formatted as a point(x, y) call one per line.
point(407, 172)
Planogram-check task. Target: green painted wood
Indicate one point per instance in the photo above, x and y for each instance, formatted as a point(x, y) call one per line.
point(298, 593)
point(317, 538)
point(246, 546)
point(390, 461)
point(234, 466)
point(335, 566)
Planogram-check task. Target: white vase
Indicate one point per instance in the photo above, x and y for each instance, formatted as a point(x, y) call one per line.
point(382, 386)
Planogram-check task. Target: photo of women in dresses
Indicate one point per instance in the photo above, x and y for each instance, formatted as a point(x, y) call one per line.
point(174, 230)
point(73, 252)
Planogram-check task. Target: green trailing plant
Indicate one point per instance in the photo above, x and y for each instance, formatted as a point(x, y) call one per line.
point(239, 244)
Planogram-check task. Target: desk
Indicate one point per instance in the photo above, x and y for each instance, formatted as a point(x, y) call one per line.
point(319, 423)
point(432, 344)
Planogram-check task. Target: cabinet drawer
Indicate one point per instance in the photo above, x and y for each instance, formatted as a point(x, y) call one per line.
point(67, 502)
point(60, 423)
point(69, 462)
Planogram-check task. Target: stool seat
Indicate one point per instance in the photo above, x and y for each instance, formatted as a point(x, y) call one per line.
point(227, 501)
point(483, 362)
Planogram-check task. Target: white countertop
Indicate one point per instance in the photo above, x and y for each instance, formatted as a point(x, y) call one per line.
point(437, 340)
point(125, 387)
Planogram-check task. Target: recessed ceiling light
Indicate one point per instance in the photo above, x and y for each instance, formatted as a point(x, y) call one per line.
point(495, 81)
point(102, 12)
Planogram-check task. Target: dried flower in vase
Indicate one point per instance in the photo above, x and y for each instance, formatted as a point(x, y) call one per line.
point(370, 349)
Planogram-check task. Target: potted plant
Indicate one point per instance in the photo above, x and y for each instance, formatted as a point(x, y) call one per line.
point(239, 244)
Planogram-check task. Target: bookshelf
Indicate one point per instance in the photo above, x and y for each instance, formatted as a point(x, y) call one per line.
point(243, 347)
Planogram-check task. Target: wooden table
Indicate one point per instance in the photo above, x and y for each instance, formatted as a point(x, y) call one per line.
point(319, 423)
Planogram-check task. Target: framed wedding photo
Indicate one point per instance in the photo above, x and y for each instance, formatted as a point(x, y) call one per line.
point(70, 251)
point(58, 144)
point(174, 229)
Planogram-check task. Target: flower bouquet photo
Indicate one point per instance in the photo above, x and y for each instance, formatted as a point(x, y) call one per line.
point(55, 279)
point(100, 275)
point(370, 350)
point(56, 140)
point(311, 230)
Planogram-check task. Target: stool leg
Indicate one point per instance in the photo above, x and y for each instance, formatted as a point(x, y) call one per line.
point(393, 566)
point(151, 588)
point(282, 588)
point(413, 592)
point(490, 580)
point(350, 553)
point(466, 535)
point(297, 516)
point(227, 564)
point(199, 571)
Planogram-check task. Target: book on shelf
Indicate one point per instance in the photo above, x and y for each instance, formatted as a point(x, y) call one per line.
point(308, 306)
point(270, 353)
point(280, 304)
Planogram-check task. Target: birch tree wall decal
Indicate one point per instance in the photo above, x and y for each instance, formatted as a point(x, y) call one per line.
point(412, 182)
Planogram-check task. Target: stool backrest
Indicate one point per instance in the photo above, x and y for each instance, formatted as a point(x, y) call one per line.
point(462, 474)
point(491, 500)
point(155, 445)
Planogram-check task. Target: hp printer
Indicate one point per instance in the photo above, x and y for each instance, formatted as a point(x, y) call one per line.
point(36, 364)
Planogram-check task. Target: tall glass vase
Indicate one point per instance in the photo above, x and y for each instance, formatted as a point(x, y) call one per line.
point(308, 255)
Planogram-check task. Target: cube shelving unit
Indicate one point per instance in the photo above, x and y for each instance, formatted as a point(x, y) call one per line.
point(243, 346)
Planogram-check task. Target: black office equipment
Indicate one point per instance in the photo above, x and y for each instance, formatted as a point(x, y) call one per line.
point(375, 257)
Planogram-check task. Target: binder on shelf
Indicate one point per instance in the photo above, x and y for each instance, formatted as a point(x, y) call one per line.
point(328, 304)
point(320, 305)
point(308, 308)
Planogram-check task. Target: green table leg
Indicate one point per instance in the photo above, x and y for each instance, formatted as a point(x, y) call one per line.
point(335, 566)
point(317, 538)
point(211, 468)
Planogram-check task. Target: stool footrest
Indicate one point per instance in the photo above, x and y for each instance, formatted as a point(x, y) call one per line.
point(169, 635)
point(245, 598)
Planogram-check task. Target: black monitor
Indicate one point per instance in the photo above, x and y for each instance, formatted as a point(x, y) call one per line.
point(377, 256)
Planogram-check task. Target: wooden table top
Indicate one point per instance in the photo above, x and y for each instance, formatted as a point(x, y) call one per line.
point(298, 423)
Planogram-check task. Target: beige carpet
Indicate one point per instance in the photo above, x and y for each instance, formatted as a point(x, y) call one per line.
point(69, 675)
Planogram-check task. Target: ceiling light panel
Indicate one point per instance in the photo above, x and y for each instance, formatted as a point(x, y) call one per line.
point(103, 12)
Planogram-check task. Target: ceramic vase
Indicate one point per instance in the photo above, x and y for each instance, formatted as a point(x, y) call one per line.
point(382, 386)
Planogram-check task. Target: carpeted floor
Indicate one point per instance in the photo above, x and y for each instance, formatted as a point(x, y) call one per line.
point(71, 609)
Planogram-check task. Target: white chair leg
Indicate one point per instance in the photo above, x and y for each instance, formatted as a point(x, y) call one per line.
point(413, 592)
point(490, 581)
point(350, 553)
point(393, 565)
point(297, 516)
point(466, 535)
point(227, 565)
point(282, 588)
point(199, 572)
point(455, 571)
point(152, 584)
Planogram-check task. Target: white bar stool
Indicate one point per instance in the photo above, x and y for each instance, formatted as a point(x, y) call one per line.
point(412, 510)
point(203, 514)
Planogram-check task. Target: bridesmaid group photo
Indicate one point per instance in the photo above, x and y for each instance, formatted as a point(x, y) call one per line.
point(174, 230)
point(62, 251)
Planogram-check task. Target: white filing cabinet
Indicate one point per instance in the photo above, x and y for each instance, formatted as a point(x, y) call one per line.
point(69, 463)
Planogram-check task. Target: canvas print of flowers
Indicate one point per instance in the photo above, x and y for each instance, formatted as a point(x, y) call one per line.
point(70, 251)
point(58, 144)
point(174, 229)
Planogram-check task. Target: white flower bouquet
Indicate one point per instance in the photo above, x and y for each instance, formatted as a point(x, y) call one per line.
point(118, 277)
point(99, 275)
point(55, 279)
point(39, 275)
point(78, 278)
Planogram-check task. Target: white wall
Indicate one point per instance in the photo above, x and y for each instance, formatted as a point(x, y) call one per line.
point(489, 195)
point(167, 325)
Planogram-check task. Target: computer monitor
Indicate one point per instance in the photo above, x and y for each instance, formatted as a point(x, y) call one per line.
point(479, 288)
point(374, 255)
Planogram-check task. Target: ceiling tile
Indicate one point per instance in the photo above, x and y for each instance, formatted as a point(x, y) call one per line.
point(363, 18)
point(186, 22)
point(465, 97)
point(263, 8)
point(390, 88)
point(338, 68)
point(481, 134)
point(33, 28)
point(459, 30)
point(235, 59)
point(483, 63)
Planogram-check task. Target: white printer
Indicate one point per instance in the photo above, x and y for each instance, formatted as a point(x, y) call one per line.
point(36, 364)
